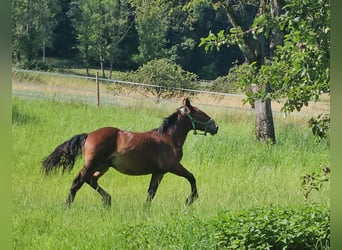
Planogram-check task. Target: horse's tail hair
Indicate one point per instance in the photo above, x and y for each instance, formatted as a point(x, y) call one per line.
point(64, 155)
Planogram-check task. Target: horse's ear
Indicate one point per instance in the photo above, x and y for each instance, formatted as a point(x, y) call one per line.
point(186, 103)
point(186, 107)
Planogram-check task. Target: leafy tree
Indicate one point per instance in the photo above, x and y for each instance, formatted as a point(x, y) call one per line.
point(152, 23)
point(286, 49)
point(64, 35)
point(98, 38)
point(80, 14)
point(121, 33)
point(167, 77)
point(200, 18)
point(47, 22)
point(89, 19)
point(32, 25)
point(302, 63)
point(119, 23)
point(101, 26)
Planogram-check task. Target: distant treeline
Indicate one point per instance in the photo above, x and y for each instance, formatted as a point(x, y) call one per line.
point(121, 34)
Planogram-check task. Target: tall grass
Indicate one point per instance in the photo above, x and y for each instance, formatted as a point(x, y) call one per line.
point(233, 171)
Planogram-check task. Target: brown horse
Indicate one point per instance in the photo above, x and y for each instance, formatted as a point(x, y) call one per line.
point(155, 152)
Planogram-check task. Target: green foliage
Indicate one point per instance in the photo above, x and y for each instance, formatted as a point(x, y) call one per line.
point(314, 181)
point(34, 65)
point(119, 35)
point(297, 67)
point(167, 76)
point(118, 27)
point(216, 40)
point(306, 227)
point(303, 73)
point(152, 24)
point(100, 27)
point(320, 126)
point(32, 28)
point(80, 15)
point(225, 84)
point(92, 31)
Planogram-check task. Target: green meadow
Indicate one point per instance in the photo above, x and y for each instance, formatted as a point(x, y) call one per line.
point(238, 179)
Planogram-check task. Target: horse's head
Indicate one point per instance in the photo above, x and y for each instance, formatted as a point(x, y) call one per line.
point(199, 119)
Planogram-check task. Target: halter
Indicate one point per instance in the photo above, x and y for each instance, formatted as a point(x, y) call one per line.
point(194, 121)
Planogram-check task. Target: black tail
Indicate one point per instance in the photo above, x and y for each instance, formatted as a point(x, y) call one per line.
point(64, 155)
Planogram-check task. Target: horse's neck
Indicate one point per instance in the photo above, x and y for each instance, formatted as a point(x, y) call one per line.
point(180, 132)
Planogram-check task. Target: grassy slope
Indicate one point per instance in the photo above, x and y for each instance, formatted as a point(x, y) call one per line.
point(233, 173)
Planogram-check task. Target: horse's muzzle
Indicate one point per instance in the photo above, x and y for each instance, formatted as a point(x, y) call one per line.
point(213, 128)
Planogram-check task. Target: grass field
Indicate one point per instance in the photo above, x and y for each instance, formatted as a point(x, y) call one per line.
point(233, 171)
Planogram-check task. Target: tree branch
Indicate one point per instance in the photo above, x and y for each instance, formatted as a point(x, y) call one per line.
point(248, 46)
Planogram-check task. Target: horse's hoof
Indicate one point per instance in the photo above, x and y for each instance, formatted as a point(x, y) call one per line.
point(107, 204)
point(66, 205)
point(147, 206)
point(191, 199)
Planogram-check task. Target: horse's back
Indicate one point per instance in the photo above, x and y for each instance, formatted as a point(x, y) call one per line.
point(103, 135)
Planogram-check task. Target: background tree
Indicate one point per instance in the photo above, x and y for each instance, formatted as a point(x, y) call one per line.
point(90, 20)
point(166, 76)
point(155, 29)
point(278, 63)
point(256, 48)
point(302, 63)
point(47, 21)
point(99, 32)
point(64, 34)
point(80, 14)
point(32, 25)
point(119, 23)
point(202, 17)
point(152, 23)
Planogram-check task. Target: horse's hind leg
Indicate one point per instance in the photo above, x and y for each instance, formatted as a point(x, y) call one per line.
point(152, 189)
point(75, 186)
point(83, 176)
point(92, 181)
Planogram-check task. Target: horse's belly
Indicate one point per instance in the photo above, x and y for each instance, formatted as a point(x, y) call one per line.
point(131, 165)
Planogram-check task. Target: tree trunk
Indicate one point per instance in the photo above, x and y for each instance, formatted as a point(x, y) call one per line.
point(102, 69)
point(111, 67)
point(264, 125)
point(256, 50)
point(44, 51)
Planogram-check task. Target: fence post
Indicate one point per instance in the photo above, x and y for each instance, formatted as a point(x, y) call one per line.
point(97, 89)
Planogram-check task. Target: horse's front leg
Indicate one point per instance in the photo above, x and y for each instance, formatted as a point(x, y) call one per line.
point(179, 170)
point(154, 183)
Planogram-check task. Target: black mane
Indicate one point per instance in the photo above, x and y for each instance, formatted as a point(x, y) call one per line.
point(167, 123)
